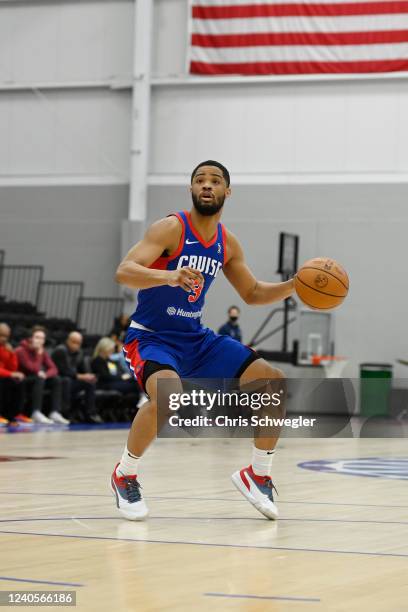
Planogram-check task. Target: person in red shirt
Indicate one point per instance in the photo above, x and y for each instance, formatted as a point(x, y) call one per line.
point(41, 374)
point(11, 389)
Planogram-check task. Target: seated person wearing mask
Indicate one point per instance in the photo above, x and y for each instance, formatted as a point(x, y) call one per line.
point(231, 327)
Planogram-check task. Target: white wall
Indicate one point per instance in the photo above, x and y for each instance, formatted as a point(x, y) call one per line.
point(58, 115)
point(299, 129)
point(325, 131)
point(170, 37)
point(65, 41)
point(63, 133)
point(295, 128)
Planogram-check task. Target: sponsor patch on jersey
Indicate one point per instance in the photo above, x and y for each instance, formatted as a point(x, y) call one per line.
point(373, 467)
point(180, 312)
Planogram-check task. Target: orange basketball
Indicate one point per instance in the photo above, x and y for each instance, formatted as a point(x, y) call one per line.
point(321, 283)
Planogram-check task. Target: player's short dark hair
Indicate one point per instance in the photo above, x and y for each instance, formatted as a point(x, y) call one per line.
point(211, 162)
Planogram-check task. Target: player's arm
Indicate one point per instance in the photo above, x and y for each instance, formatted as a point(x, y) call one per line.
point(251, 290)
point(134, 270)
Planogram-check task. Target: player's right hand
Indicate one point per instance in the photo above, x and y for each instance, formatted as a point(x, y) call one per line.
point(185, 278)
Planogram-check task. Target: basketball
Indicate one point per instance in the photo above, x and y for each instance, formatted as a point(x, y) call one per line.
point(322, 283)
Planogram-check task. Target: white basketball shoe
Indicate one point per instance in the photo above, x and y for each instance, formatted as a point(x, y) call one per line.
point(129, 499)
point(258, 490)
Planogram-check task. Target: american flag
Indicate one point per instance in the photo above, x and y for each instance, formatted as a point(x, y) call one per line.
point(257, 38)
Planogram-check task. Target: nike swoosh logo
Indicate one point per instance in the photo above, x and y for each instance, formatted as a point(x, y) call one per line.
point(191, 242)
point(268, 453)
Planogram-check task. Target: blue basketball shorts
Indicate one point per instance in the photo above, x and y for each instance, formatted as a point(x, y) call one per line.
point(202, 354)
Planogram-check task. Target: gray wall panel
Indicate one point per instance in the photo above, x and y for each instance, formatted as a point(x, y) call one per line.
point(73, 231)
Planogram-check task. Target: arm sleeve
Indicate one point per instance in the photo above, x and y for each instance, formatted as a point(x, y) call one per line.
point(60, 358)
point(24, 362)
point(50, 367)
point(100, 368)
point(9, 366)
point(83, 365)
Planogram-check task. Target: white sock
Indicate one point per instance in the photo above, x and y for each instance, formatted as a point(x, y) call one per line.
point(128, 464)
point(262, 461)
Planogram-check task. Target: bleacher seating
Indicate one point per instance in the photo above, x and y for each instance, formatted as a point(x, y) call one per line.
point(22, 315)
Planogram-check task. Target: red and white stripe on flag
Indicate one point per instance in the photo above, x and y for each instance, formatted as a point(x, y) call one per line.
point(250, 37)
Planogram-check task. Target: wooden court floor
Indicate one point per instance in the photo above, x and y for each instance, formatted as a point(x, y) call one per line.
point(341, 543)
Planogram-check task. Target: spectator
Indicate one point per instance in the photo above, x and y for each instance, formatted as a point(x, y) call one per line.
point(109, 373)
point(120, 326)
point(41, 374)
point(118, 334)
point(11, 387)
point(119, 358)
point(231, 327)
point(69, 359)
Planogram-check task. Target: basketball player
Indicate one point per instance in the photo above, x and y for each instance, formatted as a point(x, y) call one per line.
point(173, 267)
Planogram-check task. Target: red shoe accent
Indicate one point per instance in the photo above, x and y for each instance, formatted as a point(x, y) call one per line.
point(119, 478)
point(22, 418)
point(259, 479)
point(244, 478)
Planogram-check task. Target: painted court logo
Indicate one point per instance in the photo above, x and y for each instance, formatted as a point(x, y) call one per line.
point(373, 467)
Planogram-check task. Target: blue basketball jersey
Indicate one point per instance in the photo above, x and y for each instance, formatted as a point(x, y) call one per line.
point(167, 308)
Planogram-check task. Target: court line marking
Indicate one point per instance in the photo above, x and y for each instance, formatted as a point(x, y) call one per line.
point(200, 518)
point(58, 494)
point(161, 498)
point(209, 544)
point(275, 597)
point(13, 579)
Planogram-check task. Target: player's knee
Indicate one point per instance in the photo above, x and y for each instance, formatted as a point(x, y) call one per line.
point(274, 380)
point(161, 386)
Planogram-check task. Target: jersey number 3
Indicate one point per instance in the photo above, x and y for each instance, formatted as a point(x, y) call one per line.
point(196, 289)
